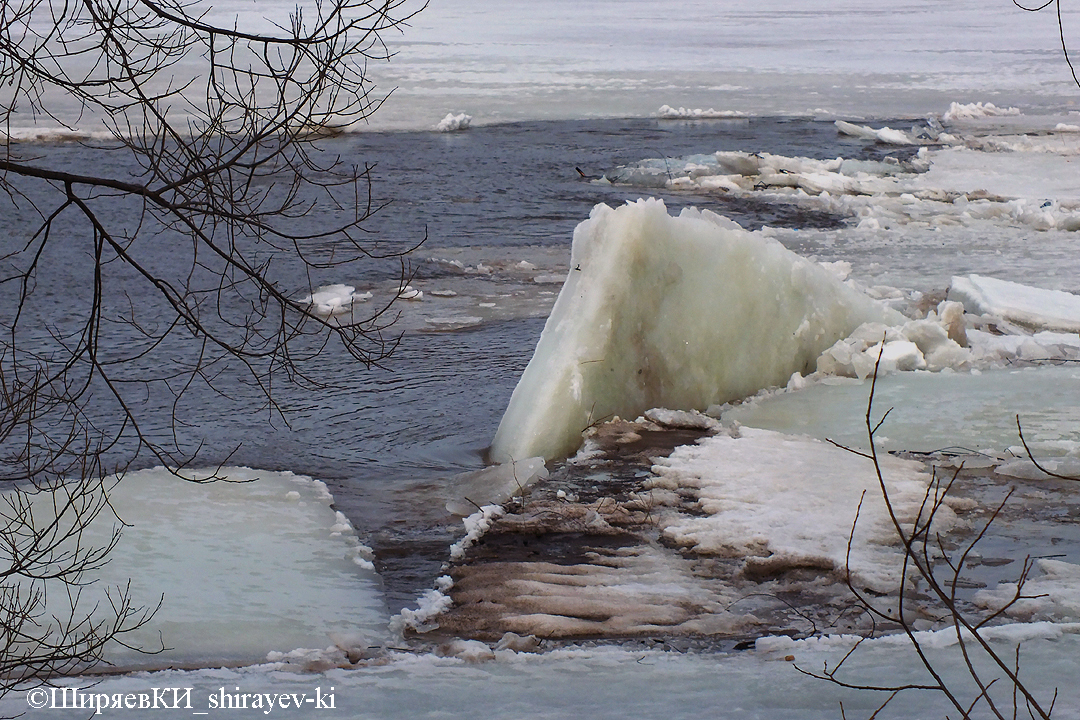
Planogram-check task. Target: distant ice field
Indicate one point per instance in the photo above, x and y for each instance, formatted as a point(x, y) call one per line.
point(499, 61)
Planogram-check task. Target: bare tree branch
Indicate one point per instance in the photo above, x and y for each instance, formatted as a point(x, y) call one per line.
point(184, 246)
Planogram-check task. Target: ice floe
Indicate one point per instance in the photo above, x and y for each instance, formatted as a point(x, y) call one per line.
point(410, 293)
point(334, 299)
point(956, 178)
point(454, 123)
point(1021, 304)
point(884, 135)
point(668, 112)
point(968, 111)
point(681, 312)
point(1050, 593)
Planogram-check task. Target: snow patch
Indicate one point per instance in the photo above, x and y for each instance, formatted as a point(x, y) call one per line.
point(475, 526)
point(784, 501)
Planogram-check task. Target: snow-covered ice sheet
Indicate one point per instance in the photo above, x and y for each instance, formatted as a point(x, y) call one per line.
point(679, 312)
point(783, 502)
point(1034, 307)
point(498, 61)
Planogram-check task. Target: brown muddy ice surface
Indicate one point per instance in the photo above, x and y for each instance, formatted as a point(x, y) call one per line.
point(582, 556)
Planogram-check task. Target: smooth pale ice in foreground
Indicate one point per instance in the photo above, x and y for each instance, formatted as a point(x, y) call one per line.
point(678, 312)
point(616, 683)
point(244, 568)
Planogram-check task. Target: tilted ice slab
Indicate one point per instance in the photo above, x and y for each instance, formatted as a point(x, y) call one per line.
point(1022, 304)
point(241, 568)
point(678, 312)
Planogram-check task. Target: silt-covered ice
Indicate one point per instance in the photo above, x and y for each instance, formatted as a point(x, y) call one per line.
point(679, 312)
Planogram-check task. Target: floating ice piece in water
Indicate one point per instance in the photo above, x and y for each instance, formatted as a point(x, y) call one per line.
point(1026, 469)
point(678, 312)
point(1022, 304)
point(493, 485)
point(453, 123)
point(334, 299)
point(751, 172)
point(969, 111)
point(884, 135)
point(410, 293)
point(549, 279)
point(453, 322)
point(666, 111)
